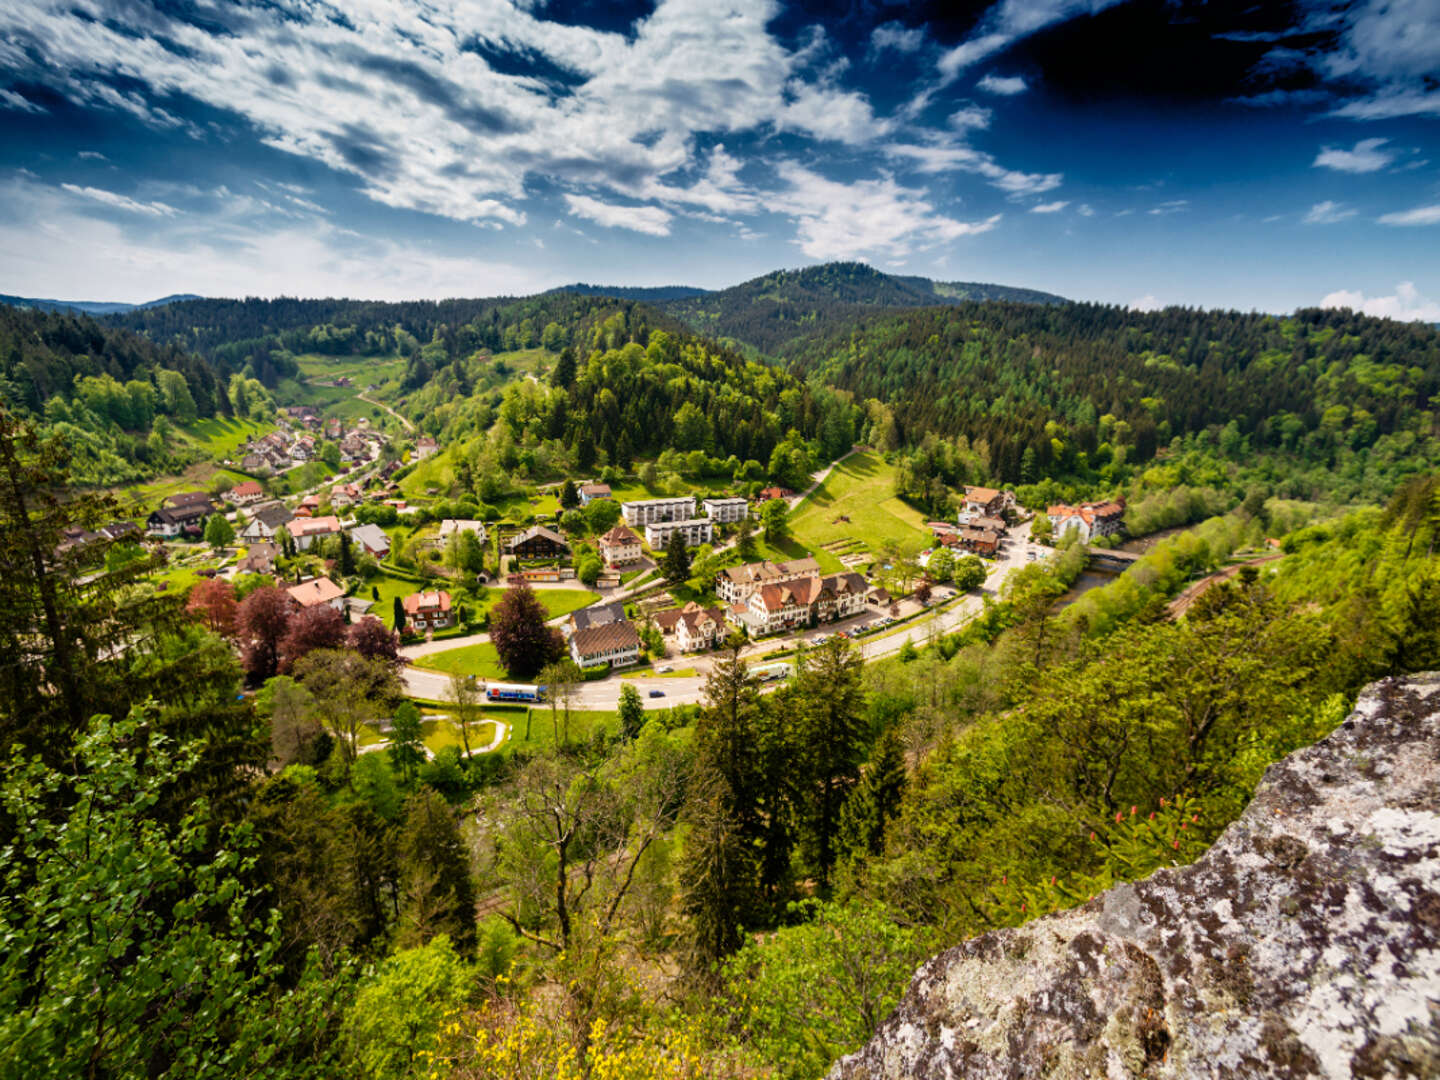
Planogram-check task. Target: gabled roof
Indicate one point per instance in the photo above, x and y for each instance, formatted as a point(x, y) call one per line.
point(247, 489)
point(981, 494)
point(187, 499)
point(594, 489)
point(437, 600)
point(599, 639)
point(620, 535)
point(537, 531)
point(316, 591)
point(315, 526)
point(598, 615)
point(372, 537)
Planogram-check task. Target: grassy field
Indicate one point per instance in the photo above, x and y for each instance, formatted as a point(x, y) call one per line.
point(479, 660)
point(542, 726)
point(437, 734)
point(147, 496)
point(861, 488)
point(220, 437)
point(364, 370)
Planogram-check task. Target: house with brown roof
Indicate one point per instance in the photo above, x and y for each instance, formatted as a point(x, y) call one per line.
point(773, 608)
point(243, 494)
point(317, 591)
point(734, 584)
point(260, 559)
point(429, 610)
point(692, 626)
point(425, 446)
point(984, 500)
point(616, 644)
point(620, 547)
point(590, 492)
point(766, 494)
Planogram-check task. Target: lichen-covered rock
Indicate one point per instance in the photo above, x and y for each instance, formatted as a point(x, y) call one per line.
point(1306, 942)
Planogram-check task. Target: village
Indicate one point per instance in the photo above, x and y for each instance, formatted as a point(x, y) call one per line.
point(604, 569)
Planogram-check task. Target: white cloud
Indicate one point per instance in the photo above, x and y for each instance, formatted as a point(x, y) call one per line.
point(650, 220)
point(1172, 206)
point(1085, 210)
point(1420, 215)
point(1050, 208)
point(9, 99)
point(970, 116)
point(1366, 157)
point(943, 157)
point(1383, 62)
point(1327, 213)
point(56, 245)
point(1007, 22)
point(1407, 305)
point(1145, 303)
point(1004, 86)
point(120, 202)
point(897, 36)
point(91, 155)
point(395, 93)
point(867, 217)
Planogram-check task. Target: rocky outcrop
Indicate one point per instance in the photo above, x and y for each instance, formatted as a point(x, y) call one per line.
point(1306, 941)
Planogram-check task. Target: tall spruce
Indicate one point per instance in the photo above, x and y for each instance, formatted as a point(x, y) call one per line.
point(436, 894)
point(831, 738)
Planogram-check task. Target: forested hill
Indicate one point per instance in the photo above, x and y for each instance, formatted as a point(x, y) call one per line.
point(767, 312)
point(650, 294)
point(1051, 382)
point(42, 353)
point(622, 380)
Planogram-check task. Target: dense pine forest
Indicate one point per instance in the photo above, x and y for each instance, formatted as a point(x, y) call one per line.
point(1056, 389)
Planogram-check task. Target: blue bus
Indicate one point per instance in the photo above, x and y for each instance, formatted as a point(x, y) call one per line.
point(514, 692)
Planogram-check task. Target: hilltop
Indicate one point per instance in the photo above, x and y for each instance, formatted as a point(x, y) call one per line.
point(772, 311)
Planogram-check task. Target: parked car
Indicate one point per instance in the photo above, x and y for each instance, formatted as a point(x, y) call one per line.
point(657, 693)
point(665, 669)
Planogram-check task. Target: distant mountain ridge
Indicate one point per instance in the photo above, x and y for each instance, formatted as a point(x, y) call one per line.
point(92, 307)
point(778, 308)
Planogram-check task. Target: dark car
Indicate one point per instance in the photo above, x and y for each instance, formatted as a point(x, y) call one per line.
point(657, 693)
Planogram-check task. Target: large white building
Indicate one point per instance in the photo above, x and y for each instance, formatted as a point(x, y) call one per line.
point(645, 511)
point(773, 608)
point(734, 584)
point(726, 511)
point(616, 644)
point(695, 530)
point(1088, 519)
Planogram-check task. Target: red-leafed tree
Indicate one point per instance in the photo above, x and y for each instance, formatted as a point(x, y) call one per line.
point(318, 627)
point(263, 619)
point(213, 603)
point(372, 638)
point(519, 633)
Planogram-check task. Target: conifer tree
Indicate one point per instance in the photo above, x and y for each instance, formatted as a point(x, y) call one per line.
point(436, 894)
point(831, 739)
point(676, 564)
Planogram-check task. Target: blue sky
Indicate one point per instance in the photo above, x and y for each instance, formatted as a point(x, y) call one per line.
point(1251, 156)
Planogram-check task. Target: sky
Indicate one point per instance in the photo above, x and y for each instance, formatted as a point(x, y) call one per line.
point(1252, 156)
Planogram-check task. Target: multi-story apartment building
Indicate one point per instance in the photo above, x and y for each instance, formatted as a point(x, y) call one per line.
point(645, 511)
point(734, 584)
point(726, 511)
point(695, 530)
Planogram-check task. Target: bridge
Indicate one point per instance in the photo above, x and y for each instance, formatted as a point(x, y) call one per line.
point(1114, 560)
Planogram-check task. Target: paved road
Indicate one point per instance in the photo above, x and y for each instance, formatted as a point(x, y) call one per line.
point(816, 479)
point(688, 690)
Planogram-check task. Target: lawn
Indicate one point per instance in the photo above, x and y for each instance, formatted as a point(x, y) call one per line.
point(436, 733)
point(479, 660)
point(542, 726)
point(861, 488)
point(651, 673)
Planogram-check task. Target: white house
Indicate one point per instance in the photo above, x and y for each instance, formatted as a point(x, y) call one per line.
point(307, 530)
point(450, 526)
point(615, 643)
point(734, 584)
point(1088, 519)
point(620, 546)
point(590, 492)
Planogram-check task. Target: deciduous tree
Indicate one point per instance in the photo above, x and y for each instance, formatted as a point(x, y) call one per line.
point(519, 633)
